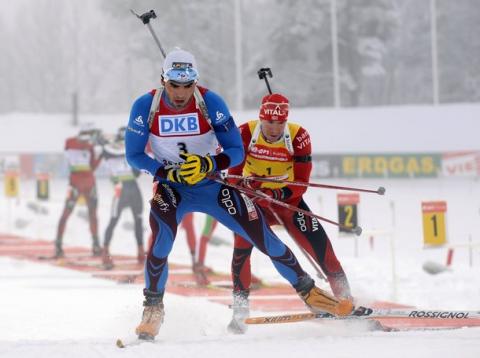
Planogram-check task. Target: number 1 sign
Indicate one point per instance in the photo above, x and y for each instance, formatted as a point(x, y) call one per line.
point(434, 233)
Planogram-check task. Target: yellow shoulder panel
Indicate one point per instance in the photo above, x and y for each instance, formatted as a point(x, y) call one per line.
point(293, 129)
point(252, 124)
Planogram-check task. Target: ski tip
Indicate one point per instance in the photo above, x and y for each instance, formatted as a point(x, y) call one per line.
point(135, 342)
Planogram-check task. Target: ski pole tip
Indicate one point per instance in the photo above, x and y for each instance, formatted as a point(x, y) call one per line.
point(381, 190)
point(357, 230)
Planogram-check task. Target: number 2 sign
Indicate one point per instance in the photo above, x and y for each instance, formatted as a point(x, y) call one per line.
point(433, 212)
point(347, 211)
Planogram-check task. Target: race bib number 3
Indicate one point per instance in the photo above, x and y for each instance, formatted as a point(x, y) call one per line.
point(179, 125)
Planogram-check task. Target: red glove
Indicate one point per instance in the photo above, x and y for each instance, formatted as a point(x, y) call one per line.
point(277, 194)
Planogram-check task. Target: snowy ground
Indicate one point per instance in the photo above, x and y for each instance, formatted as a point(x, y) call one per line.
point(51, 312)
point(47, 311)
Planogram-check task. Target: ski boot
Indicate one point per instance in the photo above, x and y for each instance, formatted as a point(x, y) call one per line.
point(339, 285)
point(152, 317)
point(318, 300)
point(107, 259)
point(241, 311)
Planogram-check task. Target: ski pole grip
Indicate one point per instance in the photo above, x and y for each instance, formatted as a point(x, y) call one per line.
point(263, 74)
point(147, 16)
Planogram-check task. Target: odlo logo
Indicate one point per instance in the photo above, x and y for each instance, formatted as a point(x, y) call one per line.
point(302, 223)
point(227, 201)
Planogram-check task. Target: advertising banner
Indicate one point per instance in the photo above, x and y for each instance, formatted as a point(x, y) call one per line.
point(426, 165)
point(461, 164)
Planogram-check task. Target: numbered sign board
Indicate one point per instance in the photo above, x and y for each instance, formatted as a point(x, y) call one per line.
point(43, 187)
point(12, 184)
point(433, 212)
point(347, 211)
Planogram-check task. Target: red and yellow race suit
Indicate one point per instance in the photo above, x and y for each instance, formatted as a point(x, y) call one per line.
point(287, 159)
point(82, 162)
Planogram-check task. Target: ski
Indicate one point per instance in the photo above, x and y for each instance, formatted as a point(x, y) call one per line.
point(368, 314)
point(45, 257)
point(65, 257)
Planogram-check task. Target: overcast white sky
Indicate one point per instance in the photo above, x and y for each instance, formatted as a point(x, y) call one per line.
point(9, 8)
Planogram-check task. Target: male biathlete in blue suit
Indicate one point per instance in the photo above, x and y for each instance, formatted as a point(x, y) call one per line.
point(184, 124)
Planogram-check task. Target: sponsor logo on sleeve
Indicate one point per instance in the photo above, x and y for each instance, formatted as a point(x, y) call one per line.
point(303, 140)
point(220, 116)
point(179, 125)
point(139, 121)
point(136, 131)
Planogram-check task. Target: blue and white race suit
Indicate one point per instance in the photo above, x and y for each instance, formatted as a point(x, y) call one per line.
point(171, 132)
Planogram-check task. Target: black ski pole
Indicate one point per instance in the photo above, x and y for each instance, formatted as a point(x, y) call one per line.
point(146, 17)
point(263, 74)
